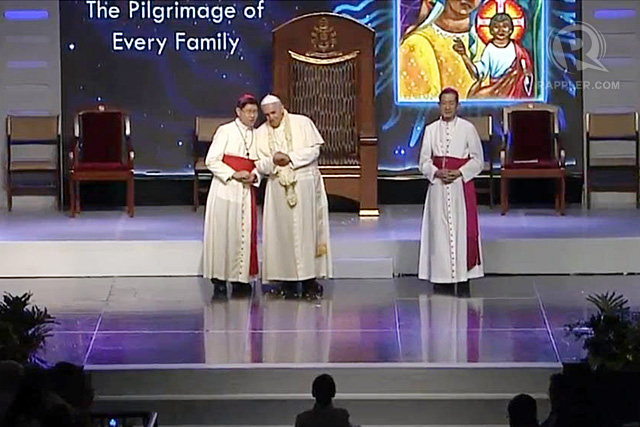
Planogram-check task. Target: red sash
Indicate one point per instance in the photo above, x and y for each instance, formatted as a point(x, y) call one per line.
point(473, 246)
point(243, 164)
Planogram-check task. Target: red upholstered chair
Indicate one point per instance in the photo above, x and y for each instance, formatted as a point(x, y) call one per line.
point(102, 152)
point(532, 149)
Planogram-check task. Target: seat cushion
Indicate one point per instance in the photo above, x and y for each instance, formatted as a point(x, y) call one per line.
point(533, 164)
point(107, 166)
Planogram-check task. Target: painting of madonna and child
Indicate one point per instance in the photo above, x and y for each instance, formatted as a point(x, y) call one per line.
point(491, 50)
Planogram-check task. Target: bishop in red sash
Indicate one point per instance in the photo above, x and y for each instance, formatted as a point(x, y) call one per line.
point(451, 156)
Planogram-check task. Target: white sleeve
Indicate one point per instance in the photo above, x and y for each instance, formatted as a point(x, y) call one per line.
point(213, 161)
point(258, 175)
point(264, 164)
point(476, 162)
point(427, 167)
point(310, 153)
point(484, 65)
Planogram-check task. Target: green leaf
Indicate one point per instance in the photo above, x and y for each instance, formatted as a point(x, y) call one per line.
point(24, 328)
point(608, 303)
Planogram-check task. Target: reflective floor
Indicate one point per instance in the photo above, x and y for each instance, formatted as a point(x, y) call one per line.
point(115, 321)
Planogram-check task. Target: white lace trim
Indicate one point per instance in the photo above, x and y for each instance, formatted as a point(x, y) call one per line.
point(445, 33)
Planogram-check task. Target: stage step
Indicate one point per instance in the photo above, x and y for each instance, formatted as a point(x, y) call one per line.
point(166, 241)
point(405, 395)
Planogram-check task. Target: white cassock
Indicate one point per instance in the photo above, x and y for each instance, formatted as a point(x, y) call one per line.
point(444, 241)
point(295, 240)
point(227, 224)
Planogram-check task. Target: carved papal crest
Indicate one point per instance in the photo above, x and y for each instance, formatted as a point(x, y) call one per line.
point(324, 39)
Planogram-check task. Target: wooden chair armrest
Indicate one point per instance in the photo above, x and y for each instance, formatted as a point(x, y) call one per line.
point(74, 154)
point(131, 156)
point(561, 154)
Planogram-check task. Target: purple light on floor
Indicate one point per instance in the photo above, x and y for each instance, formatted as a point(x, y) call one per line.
point(26, 15)
point(26, 65)
point(613, 14)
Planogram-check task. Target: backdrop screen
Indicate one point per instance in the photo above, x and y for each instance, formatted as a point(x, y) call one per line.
point(167, 61)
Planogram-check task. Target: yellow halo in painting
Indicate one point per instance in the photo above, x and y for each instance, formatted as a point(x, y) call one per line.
point(492, 7)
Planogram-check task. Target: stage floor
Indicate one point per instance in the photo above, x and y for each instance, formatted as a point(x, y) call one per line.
point(167, 241)
point(170, 321)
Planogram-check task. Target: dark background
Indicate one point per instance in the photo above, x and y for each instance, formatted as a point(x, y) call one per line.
point(164, 93)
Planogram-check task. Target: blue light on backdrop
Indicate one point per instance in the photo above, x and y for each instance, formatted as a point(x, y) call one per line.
point(614, 14)
point(26, 65)
point(26, 15)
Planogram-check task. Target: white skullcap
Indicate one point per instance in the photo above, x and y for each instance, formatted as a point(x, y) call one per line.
point(270, 99)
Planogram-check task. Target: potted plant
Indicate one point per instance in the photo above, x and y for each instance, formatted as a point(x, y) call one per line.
point(64, 389)
point(24, 329)
point(611, 370)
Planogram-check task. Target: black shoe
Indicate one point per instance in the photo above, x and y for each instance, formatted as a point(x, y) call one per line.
point(241, 290)
point(272, 289)
point(444, 289)
point(463, 290)
point(219, 290)
point(290, 290)
point(312, 290)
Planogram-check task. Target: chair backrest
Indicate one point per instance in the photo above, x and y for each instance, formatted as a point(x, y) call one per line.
point(332, 107)
point(33, 129)
point(324, 65)
point(483, 125)
point(205, 128)
point(101, 135)
point(532, 130)
point(620, 126)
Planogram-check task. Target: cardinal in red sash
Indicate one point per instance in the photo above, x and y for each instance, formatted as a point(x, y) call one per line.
point(230, 231)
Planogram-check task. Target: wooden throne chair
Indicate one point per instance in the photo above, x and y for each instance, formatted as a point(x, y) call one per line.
point(324, 68)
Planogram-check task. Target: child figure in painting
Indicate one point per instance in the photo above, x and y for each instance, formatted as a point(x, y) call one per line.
point(504, 61)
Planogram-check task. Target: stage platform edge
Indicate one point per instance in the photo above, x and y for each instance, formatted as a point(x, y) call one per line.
point(166, 241)
point(352, 259)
